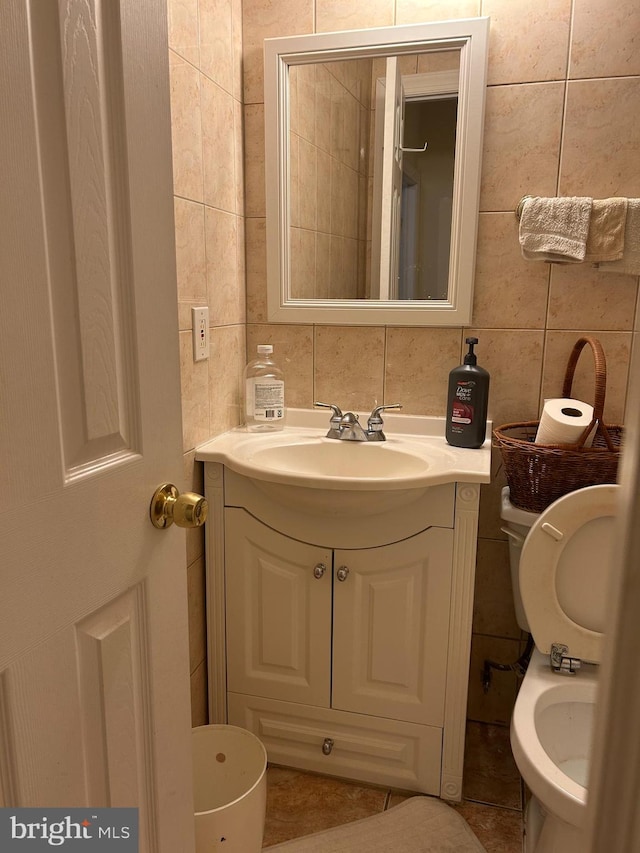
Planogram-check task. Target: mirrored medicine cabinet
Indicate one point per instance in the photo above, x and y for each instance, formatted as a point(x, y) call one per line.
point(373, 144)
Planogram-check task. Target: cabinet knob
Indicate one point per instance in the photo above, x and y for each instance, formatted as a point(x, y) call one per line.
point(319, 570)
point(343, 573)
point(327, 746)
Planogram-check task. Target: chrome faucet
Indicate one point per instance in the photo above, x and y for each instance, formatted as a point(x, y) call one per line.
point(350, 429)
point(347, 427)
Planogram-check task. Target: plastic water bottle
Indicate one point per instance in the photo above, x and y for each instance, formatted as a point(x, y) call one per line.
point(264, 393)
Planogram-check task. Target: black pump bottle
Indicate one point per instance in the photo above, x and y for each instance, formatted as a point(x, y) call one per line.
point(466, 420)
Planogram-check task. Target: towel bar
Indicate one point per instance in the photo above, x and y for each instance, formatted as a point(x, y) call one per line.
point(521, 205)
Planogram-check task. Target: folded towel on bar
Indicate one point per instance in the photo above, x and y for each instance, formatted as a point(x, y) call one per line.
point(555, 229)
point(630, 261)
point(606, 230)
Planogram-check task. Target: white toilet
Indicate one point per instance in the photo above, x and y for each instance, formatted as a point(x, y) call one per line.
point(563, 582)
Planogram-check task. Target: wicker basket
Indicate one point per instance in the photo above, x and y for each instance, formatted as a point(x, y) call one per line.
point(539, 474)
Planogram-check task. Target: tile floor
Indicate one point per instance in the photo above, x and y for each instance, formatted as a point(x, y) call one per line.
point(301, 803)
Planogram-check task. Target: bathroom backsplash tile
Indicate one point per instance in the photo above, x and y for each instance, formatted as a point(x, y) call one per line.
point(418, 362)
point(216, 41)
point(224, 277)
point(226, 365)
point(332, 15)
point(256, 261)
point(265, 19)
point(418, 11)
point(241, 270)
point(194, 393)
point(349, 366)
point(521, 141)
point(236, 55)
point(600, 148)
point(190, 251)
point(218, 153)
point(514, 360)
point(509, 291)
point(238, 145)
point(293, 351)
point(605, 39)
point(542, 27)
point(254, 159)
point(186, 129)
point(581, 297)
point(183, 29)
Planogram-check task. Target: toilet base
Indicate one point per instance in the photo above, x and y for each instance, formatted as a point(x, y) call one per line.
point(546, 833)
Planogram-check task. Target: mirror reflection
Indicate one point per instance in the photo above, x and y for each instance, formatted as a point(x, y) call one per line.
point(373, 140)
point(371, 176)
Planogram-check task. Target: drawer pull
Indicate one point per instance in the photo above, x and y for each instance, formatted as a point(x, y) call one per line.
point(327, 746)
point(319, 570)
point(343, 573)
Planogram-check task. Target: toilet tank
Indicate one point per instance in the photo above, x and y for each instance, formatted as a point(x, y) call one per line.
point(517, 524)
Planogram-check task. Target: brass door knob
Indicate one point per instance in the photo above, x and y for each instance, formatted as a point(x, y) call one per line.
point(168, 505)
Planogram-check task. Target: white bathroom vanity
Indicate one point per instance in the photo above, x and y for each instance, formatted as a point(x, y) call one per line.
point(340, 580)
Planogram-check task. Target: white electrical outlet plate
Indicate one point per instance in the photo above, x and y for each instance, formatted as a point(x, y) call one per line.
point(200, 325)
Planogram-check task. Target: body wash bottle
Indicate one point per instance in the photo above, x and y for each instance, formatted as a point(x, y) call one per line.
point(466, 419)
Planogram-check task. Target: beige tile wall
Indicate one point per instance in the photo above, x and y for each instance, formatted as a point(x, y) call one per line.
point(562, 118)
point(207, 134)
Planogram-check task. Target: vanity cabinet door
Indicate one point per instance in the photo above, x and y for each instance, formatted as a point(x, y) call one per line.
point(391, 623)
point(278, 613)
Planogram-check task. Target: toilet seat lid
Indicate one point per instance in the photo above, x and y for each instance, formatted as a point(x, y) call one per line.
point(565, 569)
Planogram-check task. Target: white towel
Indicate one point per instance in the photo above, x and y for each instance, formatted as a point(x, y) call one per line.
point(630, 261)
point(555, 229)
point(606, 230)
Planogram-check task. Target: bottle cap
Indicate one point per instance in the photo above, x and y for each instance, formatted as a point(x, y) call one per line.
point(470, 357)
point(265, 349)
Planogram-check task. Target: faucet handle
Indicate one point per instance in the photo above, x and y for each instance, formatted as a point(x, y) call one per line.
point(375, 418)
point(336, 411)
point(336, 417)
point(375, 424)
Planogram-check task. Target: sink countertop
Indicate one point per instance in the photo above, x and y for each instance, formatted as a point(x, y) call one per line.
point(420, 437)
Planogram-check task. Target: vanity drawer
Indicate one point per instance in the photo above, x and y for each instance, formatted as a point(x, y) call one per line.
point(370, 749)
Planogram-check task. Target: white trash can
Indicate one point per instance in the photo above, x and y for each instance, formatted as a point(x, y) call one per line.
point(229, 789)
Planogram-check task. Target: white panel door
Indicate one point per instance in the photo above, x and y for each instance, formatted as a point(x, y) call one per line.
point(391, 622)
point(278, 596)
point(94, 701)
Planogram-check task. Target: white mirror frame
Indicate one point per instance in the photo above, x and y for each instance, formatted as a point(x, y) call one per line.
point(470, 36)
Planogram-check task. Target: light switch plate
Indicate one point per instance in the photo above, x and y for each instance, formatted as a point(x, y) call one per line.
point(200, 325)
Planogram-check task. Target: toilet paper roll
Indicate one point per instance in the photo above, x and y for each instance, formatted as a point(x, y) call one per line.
point(563, 421)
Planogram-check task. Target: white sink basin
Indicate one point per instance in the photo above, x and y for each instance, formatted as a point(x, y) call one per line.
point(299, 466)
point(333, 462)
